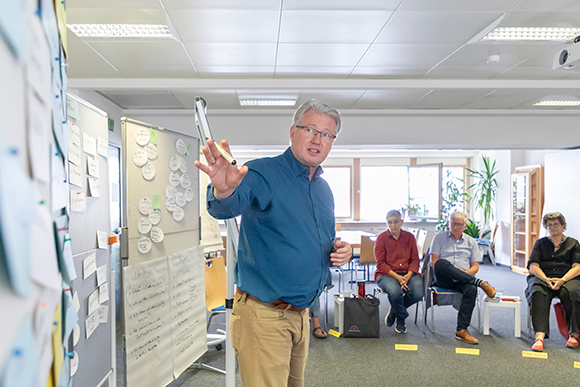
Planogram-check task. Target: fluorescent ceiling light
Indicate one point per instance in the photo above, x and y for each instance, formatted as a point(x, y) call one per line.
point(532, 33)
point(557, 103)
point(267, 102)
point(121, 30)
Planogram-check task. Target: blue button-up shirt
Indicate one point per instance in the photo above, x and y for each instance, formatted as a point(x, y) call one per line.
point(287, 229)
point(460, 253)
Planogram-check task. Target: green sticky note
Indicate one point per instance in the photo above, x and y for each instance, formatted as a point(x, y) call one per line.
point(156, 202)
point(153, 136)
point(188, 151)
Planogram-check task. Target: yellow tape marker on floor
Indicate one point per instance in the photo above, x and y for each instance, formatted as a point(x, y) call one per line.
point(577, 364)
point(537, 355)
point(333, 333)
point(467, 351)
point(406, 347)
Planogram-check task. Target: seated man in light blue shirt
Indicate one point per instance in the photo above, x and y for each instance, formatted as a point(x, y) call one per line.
point(454, 258)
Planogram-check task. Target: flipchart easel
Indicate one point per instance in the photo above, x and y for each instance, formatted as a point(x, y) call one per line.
point(232, 247)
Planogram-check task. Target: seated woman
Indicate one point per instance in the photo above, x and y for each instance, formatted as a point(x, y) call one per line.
point(554, 266)
point(397, 270)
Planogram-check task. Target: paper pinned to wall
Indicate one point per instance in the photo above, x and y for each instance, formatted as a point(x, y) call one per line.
point(21, 367)
point(94, 187)
point(16, 204)
point(44, 260)
point(89, 265)
point(77, 201)
point(93, 302)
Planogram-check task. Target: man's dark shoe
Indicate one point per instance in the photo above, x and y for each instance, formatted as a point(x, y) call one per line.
point(464, 336)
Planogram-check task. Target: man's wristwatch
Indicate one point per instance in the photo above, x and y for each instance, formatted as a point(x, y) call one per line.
point(563, 279)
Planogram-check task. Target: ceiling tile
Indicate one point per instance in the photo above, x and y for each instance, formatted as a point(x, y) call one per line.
point(157, 71)
point(232, 54)
point(153, 52)
point(221, 4)
point(454, 5)
point(406, 55)
point(71, 4)
point(341, 4)
point(99, 15)
point(324, 26)
point(389, 99)
point(226, 25)
point(311, 54)
point(449, 99)
point(435, 27)
point(220, 99)
point(142, 99)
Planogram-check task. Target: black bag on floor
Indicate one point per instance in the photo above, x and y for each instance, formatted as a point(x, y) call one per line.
point(361, 317)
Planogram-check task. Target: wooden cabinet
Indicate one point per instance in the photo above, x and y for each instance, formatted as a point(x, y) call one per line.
point(527, 205)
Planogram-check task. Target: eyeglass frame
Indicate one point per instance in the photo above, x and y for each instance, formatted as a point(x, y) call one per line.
point(323, 135)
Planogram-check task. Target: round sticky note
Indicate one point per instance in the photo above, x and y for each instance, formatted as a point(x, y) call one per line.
point(148, 171)
point(151, 150)
point(142, 136)
point(145, 206)
point(155, 217)
point(144, 245)
point(178, 214)
point(180, 199)
point(144, 225)
point(181, 146)
point(139, 157)
point(157, 235)
point(174, 179)
point(183, 166)
point(170, 204)
point(189, 194)
point(170, 191)
point(175, 162)
point(185, 181)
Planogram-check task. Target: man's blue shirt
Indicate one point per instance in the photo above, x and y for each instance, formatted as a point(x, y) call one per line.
point(287, 229)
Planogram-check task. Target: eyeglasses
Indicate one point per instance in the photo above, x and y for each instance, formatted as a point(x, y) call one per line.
point(326, 137)
point(552, 225)
point(457, 224)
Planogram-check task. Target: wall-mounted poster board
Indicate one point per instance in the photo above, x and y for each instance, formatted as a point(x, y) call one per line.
point(89, 227)
point(164, 292)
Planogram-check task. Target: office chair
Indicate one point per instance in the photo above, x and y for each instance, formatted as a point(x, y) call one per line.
point(485, 244)
point(436, 295)
point(215, 295)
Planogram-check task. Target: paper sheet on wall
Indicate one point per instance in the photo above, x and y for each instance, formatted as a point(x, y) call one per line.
point(71, 317)
point(93, 301)
point(75, 174)
point(102, 147)
point(72, 107)
point(21, 367)
point(148, 324)
point(94, 187)
point(44, 260)
point(77, 201)
point(89, 265)
point(38, 70)
point(43, 318)
point(59, 182)
point(89, 145)
point(101, 275)
point(39, 138)
point(91, 323)
point(16, 204)
point(12, 27)
point(188, 323)
point(102, 239)
point(103, 293)
point(93, 166)
point(103, 314)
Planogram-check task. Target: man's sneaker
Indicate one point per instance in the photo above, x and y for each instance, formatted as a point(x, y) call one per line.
point(464, 336)
point(401, 327)
point(390, 318)
point(488, 289)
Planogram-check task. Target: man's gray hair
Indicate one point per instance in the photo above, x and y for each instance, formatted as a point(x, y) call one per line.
point(319, 108)
point(394, 213)
point(459, 214)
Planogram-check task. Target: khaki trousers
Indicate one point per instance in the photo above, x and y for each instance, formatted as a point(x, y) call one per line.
point(271, 344)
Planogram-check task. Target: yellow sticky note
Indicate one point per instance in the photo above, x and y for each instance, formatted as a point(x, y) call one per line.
point(537, 355)
point(577, 364)
point(334, 333)
point(406, 347)
point(467, 351)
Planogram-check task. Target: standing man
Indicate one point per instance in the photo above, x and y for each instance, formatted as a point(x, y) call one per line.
point(455, 257)
point(397, 270)
point(286, 245)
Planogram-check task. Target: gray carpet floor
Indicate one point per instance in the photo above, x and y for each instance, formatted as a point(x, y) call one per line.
point(375, 362)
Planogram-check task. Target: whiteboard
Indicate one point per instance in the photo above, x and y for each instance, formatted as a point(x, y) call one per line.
point(178, 235)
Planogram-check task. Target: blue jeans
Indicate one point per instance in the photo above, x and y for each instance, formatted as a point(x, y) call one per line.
point(399, 299)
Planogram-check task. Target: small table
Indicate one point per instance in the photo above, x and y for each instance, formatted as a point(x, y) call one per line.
point(516, 305)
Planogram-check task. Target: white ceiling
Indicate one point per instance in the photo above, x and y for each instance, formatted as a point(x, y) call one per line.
point(365, 54)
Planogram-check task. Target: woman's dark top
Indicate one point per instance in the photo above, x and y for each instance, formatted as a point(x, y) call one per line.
point(555, 263)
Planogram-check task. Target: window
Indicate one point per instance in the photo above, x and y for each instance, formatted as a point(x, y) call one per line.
point(452, 187)
point(339, 180)
point(385, 188)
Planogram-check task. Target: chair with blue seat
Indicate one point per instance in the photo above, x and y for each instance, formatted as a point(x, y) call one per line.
point(436, 295)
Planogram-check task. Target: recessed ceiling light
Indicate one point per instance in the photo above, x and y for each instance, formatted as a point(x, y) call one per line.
point(121, 30)
point(532, 33)
point(557, 103)
point(267, 102)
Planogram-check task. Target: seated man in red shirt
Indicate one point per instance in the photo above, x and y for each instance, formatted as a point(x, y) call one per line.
point(397, 270)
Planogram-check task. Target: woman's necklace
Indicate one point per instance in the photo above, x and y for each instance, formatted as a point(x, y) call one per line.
point(557, 246)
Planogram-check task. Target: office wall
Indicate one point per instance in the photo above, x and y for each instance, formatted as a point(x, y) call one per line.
point(417, 129)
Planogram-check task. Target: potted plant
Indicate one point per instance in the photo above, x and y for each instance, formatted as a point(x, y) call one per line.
point(452, 199)
point(485, 188)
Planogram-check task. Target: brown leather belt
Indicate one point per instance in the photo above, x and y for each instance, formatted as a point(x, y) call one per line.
point(278, 304)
